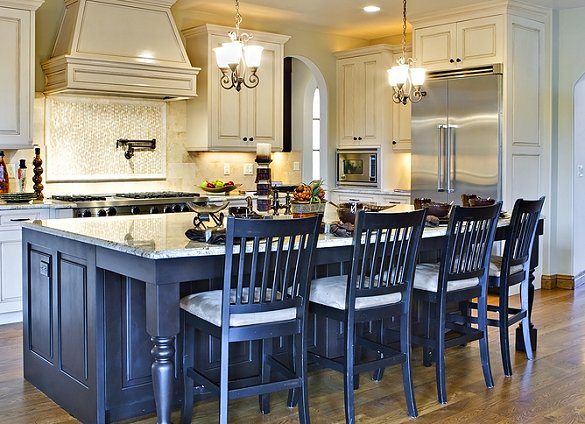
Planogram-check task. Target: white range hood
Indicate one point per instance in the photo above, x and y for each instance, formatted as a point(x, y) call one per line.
point(120, 47)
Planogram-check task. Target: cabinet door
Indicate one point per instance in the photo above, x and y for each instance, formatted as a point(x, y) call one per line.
point(480, 41)
point(436, 46)
point(350, 122)
point(10, 271)
point(15, 78)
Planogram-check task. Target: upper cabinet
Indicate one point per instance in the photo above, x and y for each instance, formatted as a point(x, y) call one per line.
point(16, 73)
point(228, 120)
point(364, 98)
point(462, 44)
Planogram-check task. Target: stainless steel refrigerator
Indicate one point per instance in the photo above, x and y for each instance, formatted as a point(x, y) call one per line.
point(456, 136)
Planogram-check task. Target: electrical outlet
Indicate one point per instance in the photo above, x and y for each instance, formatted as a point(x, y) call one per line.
point(580, 171)
point(248, 169)
point(44, 268)
point(226, 169)
point(296, 166)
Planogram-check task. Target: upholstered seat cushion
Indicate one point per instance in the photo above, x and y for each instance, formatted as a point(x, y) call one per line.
point(426, 277)
point(207, 306)
point(330, 291)
point(496, 267)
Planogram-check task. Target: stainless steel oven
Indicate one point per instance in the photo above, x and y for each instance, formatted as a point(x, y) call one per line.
point(358, 167)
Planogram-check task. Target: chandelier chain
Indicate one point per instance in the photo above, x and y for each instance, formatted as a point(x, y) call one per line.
point(404, 29)
point(238, 16)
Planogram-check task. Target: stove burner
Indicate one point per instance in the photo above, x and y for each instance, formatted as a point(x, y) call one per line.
point(157, 195)
point(79, 198)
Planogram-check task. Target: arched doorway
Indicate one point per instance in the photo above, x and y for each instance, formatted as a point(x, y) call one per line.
point(307, 81)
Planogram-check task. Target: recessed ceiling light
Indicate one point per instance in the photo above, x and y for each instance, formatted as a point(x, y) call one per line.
point(371, 9)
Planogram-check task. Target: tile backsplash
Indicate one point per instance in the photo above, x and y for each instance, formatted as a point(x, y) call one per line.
point(184, 169)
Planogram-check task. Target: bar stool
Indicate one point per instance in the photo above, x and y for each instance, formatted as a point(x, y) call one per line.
point(460, 276)
point(511, 269)
point(264, 296)
point(378, 286)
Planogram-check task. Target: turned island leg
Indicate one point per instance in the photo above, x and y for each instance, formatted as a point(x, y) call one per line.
point(162, 323)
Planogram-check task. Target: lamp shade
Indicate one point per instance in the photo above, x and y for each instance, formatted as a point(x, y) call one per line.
point(417, 76)
point(253, 55)
point(220, 57)
point(232, 52)
point(397, 75)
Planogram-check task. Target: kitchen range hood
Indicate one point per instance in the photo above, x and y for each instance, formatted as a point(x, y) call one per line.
point(120, 47)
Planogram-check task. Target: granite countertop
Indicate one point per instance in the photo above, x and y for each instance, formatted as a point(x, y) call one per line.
point(163, 236)
point(34, 204)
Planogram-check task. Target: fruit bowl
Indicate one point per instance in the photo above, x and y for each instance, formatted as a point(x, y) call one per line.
point(224, 189)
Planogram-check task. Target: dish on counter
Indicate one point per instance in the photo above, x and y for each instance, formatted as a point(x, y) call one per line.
point(17, 197)
point(223, 189)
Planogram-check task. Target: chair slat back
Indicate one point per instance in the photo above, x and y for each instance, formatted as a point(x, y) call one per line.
point(470, 235)
point(267, 264)
point(520, 238)
point(385, 248)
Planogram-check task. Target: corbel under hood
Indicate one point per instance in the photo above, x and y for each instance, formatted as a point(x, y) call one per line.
point(120, 47)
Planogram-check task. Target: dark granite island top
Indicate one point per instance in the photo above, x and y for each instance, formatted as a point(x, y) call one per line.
point(101, 309)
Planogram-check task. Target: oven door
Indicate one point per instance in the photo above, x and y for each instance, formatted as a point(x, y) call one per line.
point(357, 168)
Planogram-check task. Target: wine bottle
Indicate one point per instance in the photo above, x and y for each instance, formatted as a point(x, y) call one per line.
point(4, 178)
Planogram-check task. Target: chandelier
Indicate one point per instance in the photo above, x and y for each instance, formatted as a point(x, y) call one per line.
point(405, 78)
point(235, 58)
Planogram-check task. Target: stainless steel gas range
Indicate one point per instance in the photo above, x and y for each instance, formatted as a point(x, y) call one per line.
point(131, 203)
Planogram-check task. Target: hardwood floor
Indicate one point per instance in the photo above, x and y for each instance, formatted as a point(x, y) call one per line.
point(549, 389)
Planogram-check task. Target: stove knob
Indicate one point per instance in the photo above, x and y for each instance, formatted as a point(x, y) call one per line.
point(185, 208)
point(168, 209)
point(86, 213)
point(177, 208)
point(102, 212)
point(135, 210)
point(112, 211)
point(154, 210)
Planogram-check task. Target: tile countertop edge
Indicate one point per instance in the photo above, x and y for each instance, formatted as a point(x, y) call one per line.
point(37, 205)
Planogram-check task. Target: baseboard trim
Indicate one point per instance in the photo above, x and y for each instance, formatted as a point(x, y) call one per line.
point(562, 281)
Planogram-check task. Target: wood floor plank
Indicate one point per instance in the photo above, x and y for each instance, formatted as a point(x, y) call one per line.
point(546, 390)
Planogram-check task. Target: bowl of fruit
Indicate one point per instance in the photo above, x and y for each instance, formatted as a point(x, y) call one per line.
point(218, 186)
point(308, 199)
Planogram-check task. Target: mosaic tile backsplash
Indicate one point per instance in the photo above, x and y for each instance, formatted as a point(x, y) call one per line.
point(81, 134)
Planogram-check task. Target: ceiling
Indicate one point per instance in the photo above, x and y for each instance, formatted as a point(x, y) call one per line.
point(342, 17)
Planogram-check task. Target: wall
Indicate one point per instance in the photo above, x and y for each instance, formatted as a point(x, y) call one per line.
point(570, 231)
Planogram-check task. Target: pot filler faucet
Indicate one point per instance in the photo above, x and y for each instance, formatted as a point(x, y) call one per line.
point(131, 145)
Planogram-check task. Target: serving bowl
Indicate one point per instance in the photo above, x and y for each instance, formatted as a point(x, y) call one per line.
point(440, 210)
point(347, 211)
point(224, 189)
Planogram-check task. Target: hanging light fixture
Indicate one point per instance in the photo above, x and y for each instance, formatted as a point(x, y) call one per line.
point(405, 78)
point(235, 58)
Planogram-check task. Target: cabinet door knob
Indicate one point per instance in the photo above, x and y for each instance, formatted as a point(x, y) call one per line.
point(394, 142)
point(355, 138)
point(245, 138)
point(359, 138)
point(458, 60)
point(451, 60)
point(251, 138)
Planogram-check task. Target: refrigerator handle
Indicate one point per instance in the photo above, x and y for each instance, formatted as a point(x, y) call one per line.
point(441, 163)
point(450, 158)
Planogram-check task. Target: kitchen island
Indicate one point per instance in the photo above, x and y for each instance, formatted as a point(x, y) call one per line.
point(101, 310)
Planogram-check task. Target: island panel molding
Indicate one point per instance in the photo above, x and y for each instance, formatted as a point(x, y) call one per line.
point(81, 136)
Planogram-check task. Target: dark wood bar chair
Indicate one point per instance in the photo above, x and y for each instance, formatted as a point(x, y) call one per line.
point(511, 269)
point(378, 286)
point(264, 296)
point(460, 276)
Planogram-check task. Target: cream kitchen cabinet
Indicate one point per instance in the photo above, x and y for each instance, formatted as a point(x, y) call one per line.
point(17, 24)
point(364, 98)
point(228, 120)
point(462, 44)
point(11, 256)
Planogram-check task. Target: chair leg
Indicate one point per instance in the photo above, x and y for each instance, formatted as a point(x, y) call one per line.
point(379, 373)
point(483, 342)
point(406, 365)
point(188, 362)
point(524, 287)
point(293, 394)
point(504, 334)
point(224, 381)
point(300, 341)
point(440, 354)
point(265, 351)
point(348, 377)
point(427, 352)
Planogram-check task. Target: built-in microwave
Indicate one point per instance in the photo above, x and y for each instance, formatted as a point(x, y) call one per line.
point(358, 167)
